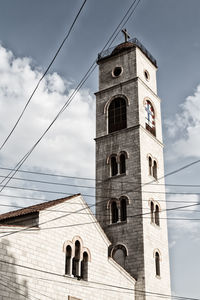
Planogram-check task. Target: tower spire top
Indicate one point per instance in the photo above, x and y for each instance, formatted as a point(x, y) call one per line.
point(126, 35)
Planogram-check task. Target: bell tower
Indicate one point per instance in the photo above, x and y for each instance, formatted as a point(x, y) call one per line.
point(130, 191)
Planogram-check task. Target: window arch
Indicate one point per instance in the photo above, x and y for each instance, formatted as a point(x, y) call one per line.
point(68, 260)
point(157, 263)
point(122, 163)
point(150, 117)
point(117, 118)
point(119, 254)
point(157, 217)
point(155, 169)
point(114, 165)
point(150, 165)
point(155, 212)
point(152, 212)
point(114, 212)
point(84, 266)
point(76, 260)
point(123, 209)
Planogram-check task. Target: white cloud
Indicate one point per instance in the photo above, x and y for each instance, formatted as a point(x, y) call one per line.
point(184, 128)
point(181, 227)
point(68, 147)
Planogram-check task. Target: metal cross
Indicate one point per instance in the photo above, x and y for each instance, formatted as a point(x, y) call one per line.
point(126, 35)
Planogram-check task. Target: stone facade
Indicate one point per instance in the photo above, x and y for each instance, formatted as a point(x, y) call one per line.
point(141, 237)
point(32, 262)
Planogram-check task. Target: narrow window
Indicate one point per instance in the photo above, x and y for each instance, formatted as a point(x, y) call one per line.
point(117, 115)
point(76, 260)
point(157, 219)
point(150, 118)
point(122, 164)
point(157, 263)
point(123, 209)
point(114, 167)
point(150, 165)
point(84, 266)
point(68, 261)
point(152, 212)
point(114, 212)
point(155, 169)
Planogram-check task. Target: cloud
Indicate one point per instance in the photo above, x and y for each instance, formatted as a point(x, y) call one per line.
point(179, 227)
point(184, 128)
point(68, 147)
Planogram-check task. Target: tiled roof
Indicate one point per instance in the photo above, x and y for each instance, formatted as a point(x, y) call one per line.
point(34, 208)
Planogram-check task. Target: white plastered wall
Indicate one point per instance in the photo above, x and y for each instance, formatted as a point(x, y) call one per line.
point(42, 249)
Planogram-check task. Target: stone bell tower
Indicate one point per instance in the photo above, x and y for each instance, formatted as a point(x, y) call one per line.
point(130, 191)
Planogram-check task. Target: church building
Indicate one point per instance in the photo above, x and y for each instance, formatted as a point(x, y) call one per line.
point(59, 249)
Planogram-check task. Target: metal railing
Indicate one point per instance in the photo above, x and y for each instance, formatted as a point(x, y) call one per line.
point(135, 42)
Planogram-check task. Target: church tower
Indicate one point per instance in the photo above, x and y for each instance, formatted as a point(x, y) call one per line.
point(130, 190)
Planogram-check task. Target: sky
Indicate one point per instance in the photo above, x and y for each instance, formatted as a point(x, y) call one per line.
point(30, 33)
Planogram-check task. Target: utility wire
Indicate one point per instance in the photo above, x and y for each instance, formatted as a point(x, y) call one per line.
point(20, 284)
point(135, 199)
point(79, 210)
point(93, 187)
point(98, 283)
point(181, 208)
point(7, 286)
point(93, 196)
point(91, 179)
point(91, 69)
point(45, 73)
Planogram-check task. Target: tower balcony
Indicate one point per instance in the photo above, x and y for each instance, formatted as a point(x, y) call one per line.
point(125, 46)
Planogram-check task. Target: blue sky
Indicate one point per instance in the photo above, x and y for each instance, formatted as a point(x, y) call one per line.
point(170, 30)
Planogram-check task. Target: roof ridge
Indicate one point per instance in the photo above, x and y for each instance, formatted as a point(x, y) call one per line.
point(35, 208)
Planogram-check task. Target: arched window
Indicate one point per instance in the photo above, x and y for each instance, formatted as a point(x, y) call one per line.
point(157, 218)
point(119, 254)
point(117, 115)
point(123, 209)
point(155, 169)
point(152, 211)
point(114, 166)
point(150, 117)
point(114, 212)
point(68, 260)
point(76, 261)
point(84, 266)
point(150, 165)
point(157, 263)
point(122, 161)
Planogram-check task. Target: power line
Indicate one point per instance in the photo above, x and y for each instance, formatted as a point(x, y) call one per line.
point(45, 73)
point(7, 286)
point(20, 284)
point(91, 69)
point(181, 208)
point(93, 196)
point(135, 199)
point(89, 186)
point(95, 282)
point(86, 223)
point(33, 228)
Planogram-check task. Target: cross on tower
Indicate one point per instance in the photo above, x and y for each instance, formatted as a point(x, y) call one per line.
point(126, 35)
